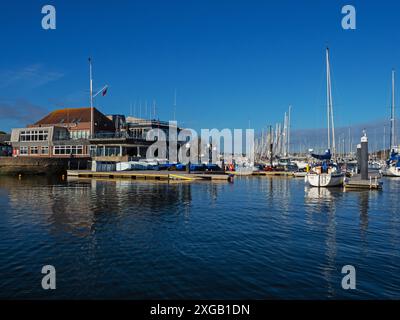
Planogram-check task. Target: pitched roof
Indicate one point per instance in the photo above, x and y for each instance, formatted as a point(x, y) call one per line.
point(69, 115)
point(75, 116)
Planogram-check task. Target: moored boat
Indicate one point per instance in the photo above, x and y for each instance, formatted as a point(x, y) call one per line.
point(329, 179)
point(392, 168)
point(326, 173)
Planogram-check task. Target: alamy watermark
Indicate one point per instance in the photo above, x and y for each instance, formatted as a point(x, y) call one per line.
point(349, 280)
point(349, 20)
point(49, 20)
point(211, 145)
point(49, 280)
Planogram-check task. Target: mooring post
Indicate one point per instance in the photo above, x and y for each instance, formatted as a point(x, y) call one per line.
point(358, 156)
point(364, 157)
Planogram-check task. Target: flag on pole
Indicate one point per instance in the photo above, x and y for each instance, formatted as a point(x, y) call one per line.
point(103, 91)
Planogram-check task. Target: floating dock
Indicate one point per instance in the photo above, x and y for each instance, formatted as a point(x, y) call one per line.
point(373, 183)
point(273, 173)
point(150, 175)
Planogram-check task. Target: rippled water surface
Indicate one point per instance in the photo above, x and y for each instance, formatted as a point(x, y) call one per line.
point(256, 238)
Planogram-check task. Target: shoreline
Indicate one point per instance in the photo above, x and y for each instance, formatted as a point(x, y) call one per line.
point(39, 165)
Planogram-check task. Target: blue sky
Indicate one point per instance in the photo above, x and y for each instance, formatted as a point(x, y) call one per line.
point(231, 62)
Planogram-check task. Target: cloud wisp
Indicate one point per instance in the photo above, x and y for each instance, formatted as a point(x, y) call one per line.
point(31, 77)
point(21, 111)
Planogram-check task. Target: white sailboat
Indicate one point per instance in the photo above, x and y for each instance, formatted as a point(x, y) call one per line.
point(326, 173)
point(393, 164)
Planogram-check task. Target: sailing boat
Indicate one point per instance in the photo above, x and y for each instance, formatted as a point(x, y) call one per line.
point(393, 164)
point(326, 173)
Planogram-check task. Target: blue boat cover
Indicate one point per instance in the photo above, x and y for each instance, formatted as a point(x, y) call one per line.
point(394, 157)
point(326, 156)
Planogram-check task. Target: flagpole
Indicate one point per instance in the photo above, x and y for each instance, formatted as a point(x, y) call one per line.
point(91, 98)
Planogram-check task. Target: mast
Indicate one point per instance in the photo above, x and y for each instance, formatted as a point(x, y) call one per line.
point(331, 123)
point(392, 116)
point(288, 136)
point(328, 98)
point(91, 98)
point(271, 146)
point(284, 136)
point(384, 142)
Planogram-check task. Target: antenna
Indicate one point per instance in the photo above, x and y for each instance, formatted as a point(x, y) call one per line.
point(174, 105)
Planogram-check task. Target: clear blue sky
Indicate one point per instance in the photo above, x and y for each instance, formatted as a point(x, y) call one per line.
point(230, 61)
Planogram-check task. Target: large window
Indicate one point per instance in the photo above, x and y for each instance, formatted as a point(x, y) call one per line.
point(34, 150)
point(23, 150)
point(79, 134)
point(68, 150)
point(44, 150)
point(61, 135)
point(34, 135)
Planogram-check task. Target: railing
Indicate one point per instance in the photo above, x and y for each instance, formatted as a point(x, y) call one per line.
point(148, 122)
point(115, 135)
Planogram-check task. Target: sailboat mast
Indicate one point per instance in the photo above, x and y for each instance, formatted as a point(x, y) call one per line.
point(328, 97)
point(332, 117)
point(284, 136)
point(331, 123)
point(91, 98)
point(392, 117)
point(288, 136)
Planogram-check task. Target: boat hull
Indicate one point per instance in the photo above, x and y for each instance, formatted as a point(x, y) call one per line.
point(299, 174)
point(325, 180)
point(391, 171)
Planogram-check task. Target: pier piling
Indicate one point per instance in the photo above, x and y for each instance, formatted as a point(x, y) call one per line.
point(364, 157)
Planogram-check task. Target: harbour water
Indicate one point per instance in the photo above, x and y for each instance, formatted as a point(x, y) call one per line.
point(257, 238)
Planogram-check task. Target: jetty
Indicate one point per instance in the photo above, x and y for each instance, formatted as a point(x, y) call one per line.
point(151, 175)
point(373, 183)
point(273, 173)
point(365, 179)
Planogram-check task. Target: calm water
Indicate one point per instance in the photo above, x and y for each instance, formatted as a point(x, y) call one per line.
point(256, 238)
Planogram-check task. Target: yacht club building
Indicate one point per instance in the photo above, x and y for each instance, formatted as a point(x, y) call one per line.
point(61, 133)
point(66, 133)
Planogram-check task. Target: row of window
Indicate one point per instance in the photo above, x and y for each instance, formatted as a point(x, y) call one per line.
point(68, 150)
point(34, 135)
point(43, 135)
point(44, 150)
point(79, 134)
point(33, 150)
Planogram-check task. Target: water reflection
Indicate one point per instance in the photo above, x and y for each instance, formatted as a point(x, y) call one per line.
point(363, 203)
point(255, 238)
point(78, 206)
point(324, 201)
